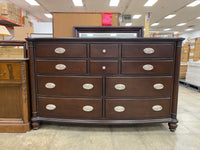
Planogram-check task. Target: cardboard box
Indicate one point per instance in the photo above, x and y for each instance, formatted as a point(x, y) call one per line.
point(22, 32)
point(183, 70)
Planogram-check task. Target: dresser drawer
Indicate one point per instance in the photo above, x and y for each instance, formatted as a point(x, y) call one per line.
point(58, 66)
point(147, 50)
point(70, 85)
point(10, 71)
point(61, 50)
point(104, 66)
point(69, 108)
point(147, 67)
point(137, 109)
point(104, 50)
point(154, 87)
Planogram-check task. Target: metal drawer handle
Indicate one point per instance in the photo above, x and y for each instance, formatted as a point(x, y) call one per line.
point(60, 67)
point(60, 50)
point(158, 86)
point(120, 87)
point(50, 85)
point(148, 50)
point(157, 108)
point(50, 107)
point(104, 67)
point(2, 74)
point(148, 67)
point(104, 51)
point(88, 86)
point(119, 108)
point(88, 108)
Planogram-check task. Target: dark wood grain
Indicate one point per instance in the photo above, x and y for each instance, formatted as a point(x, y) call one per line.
point(72, 66)
point(10, 71)
point(72, 50)
point(136, 50)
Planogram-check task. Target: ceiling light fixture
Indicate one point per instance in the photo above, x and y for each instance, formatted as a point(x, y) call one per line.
point(181, 24)
point(150, 3)
point(193, 4)
point(155, 24)
point(48, 15)
point(167, 29)
point(32, 2)
point(114, 3)
point(78, 3)
point(128, 24)
point(198, 18)
point(189, 29)
point(170, 16)
point(136, 16)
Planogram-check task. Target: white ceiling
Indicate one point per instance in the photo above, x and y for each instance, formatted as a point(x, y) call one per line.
point(161, 9)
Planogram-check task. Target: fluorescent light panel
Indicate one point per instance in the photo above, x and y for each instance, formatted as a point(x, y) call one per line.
point(170, 16)
point(189, 29)
point(181, 24)
point(136, 16)
point(78, 3)
point(114, 3)
point(155, 24)
point(193, 4)
point(48, 15)
point(167, 29)
point(128, 24)
point(198, 18)
point(150, 3)
point(32, 2)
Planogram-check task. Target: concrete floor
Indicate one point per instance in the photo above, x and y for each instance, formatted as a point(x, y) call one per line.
point(137, 137)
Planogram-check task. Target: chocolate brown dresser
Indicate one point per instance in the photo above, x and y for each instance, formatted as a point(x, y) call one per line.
point(104, 81)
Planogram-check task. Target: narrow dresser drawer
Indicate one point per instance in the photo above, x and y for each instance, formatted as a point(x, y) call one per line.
point(154, 87)
point(61, 50)
point(61, 66)
point(137, 109)
point(70, 85)
point(69, 108)
point(147, 67)
point(148, 50)
point(104, 50)
point(104, 66)
point(10, 71)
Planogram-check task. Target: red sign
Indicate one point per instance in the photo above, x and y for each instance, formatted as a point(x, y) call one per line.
point(106, 19)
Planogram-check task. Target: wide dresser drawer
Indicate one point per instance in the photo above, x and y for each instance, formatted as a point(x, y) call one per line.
point(148, 50)
point(61, 50)
point(70, 85)
point(61, 66)
point(147, 67)
point(69, 108)
point(154, 87)
point(104, 50)
point(10, 71)
point(137, 109)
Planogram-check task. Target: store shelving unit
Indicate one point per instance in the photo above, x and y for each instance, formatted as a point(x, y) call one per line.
point(8, 22)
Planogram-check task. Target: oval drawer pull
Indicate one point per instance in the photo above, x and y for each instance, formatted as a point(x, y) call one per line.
point(157, 108)
point(148, 50)
point(103, 67)
point(50, 107)
point(60, 50)
point(88, 86)
point(50, 85)
point(158, 86)
point(88, 108)
point(120, 86)
point(60, 67)
point(104, 51)
point(148, 67)
point(119, 108)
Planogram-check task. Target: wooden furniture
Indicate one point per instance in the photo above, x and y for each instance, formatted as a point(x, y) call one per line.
point(63, 22)
point(14, 99)
point(104, 81)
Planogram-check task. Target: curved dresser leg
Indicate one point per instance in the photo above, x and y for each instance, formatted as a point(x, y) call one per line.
point(172, 126)
point(35, 125)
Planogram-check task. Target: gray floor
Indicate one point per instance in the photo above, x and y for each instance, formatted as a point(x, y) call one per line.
point(137, 137)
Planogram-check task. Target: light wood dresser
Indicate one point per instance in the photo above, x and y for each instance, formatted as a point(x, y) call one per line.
point(104, 81)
